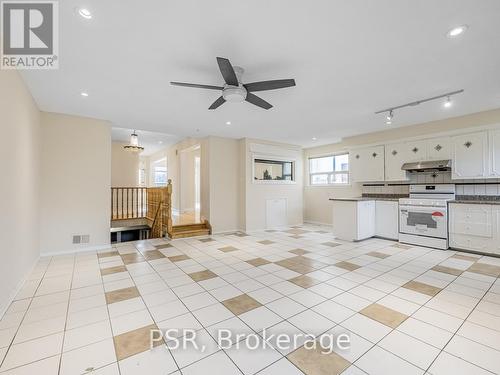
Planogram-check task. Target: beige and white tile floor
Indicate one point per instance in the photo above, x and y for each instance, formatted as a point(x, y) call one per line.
point(406, 309)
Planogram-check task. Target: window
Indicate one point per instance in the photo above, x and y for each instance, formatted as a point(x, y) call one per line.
point(159, 170)
point(329, 170)
point(273, 170)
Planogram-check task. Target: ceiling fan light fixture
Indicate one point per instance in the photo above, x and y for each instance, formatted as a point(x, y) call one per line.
point(234, 94)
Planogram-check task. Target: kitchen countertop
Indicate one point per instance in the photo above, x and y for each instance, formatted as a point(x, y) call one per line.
point(475, 201)
point(362, 199)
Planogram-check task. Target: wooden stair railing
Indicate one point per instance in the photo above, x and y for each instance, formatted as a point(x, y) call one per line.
point(159, 210)
point(128, 202)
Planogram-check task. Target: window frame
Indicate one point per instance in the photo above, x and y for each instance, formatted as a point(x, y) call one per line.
point(331, 175)
point(154, 165)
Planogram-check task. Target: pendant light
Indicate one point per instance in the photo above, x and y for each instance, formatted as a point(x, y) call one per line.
point(133, 146)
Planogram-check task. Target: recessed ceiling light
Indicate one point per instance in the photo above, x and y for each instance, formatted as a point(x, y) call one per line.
point(85, 13)
point(228, 122)
point(314, 138)
point(388, 122)
point(84, 94)
point(456, 31)
point(160, 142)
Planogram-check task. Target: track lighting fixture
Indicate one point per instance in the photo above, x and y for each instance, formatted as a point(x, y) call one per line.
point(447, 104)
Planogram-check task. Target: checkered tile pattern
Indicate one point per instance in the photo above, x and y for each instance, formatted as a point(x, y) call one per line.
point(407, 310)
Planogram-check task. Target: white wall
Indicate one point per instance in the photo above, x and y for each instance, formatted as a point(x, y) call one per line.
point(317, 207)
point(75, 182)
point(223, 184)
point(20, 128)
point(256, 194)
point(187, 193)
point(124, 166)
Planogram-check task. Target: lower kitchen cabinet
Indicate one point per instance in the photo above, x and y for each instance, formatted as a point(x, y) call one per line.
point(475, 227)
point(387, 219)
point(353, 220)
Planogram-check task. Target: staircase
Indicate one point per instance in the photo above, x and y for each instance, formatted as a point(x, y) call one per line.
point(191, 230)
point(152, 207)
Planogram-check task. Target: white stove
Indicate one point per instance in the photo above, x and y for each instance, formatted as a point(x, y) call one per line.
point(423, 217)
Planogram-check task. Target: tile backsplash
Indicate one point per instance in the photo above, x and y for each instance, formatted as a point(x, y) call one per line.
point(463, 187)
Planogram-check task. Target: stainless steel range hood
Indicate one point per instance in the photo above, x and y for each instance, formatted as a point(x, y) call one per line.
point(428, 166)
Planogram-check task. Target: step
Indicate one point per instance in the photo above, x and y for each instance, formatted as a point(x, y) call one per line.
point(190, 233)
point(183, 227)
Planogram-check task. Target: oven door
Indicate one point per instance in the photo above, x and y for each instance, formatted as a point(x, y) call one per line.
point(424, 221)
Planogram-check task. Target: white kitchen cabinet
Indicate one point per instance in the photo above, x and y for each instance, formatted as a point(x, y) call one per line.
point(367, 164)
point(395, 156)
point(387, 219)
point(470, 156)
point(494, 150)
point(416, 151)
point(439, 148)
point(353, 220)
point(496, 232)
point(474, 227)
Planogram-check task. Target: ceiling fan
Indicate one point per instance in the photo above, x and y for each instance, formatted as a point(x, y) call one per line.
point(236, 91)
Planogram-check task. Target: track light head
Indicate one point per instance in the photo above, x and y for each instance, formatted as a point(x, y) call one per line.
point(448, 103)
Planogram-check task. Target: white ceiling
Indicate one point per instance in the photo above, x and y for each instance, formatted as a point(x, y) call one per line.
point(349, 59)
point(151, 141)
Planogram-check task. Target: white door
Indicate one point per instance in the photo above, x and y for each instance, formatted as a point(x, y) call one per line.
point(470, 159)
point(367, 164)
point(416, 151)
point(276, 215)
point(495, 153)
point(395, 157)
point(438, 149)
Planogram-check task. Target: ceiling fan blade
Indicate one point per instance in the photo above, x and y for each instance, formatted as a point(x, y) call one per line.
point(269, 85)
point(220, 101)
point(196, 86)
point(227, 71)
point(254, 99)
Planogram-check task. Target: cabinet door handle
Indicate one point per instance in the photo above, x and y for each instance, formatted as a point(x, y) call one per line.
point(374, 154)
point(357, 156)
point(438, 148)
point(415, 150)
point(468, 144)
point(394, 152)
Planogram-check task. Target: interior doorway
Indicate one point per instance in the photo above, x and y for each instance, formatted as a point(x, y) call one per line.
point(189, 185)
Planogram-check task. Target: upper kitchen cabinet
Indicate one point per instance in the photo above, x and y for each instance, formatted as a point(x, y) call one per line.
point(367, 164)
point(438, 149)
point(470, 156)
point(395, 156)
point(495, 153)
point(416, 151)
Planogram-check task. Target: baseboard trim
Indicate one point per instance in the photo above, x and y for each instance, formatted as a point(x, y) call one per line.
point(79, 250)
point(317, 223)
point(13, 294)
point(227, 231)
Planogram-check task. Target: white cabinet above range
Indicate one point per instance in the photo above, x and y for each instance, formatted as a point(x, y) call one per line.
point(470, 155)
point(367, 164)
point(473, 154)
